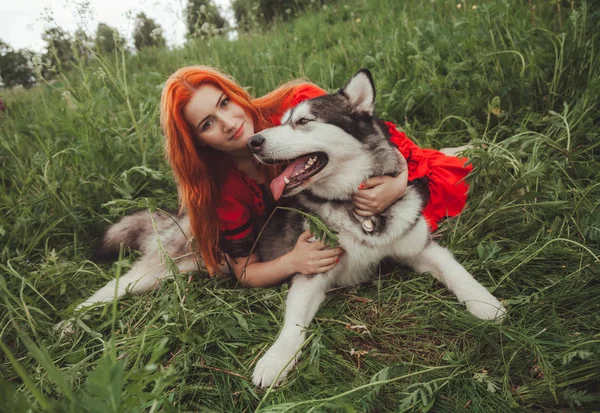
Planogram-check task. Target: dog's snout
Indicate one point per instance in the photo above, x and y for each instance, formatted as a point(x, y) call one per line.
point(255, 143)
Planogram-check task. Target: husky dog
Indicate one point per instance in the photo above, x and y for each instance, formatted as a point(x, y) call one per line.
point(333, 143)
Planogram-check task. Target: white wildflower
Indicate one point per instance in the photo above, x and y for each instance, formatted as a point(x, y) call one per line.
point(156, 33)
point(68, 97)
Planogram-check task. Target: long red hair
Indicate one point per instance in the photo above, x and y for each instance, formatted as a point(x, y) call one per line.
point(200, 170)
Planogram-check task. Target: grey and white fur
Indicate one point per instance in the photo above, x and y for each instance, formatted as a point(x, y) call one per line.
point(347, 145)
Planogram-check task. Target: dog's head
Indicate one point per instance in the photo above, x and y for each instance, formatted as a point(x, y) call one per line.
point(332, 143)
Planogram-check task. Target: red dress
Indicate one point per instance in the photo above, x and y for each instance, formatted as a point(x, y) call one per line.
point(245, 205)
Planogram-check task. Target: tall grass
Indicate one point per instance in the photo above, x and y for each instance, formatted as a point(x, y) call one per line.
point(520, 78)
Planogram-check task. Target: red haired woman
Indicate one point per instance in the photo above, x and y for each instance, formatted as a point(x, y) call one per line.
point(207, 118)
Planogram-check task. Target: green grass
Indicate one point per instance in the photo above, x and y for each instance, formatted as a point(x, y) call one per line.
point(526, 82)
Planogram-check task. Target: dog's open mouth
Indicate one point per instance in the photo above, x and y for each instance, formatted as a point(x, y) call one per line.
point(297, 172)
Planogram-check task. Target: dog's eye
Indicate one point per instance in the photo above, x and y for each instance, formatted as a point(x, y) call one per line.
point(302, 121)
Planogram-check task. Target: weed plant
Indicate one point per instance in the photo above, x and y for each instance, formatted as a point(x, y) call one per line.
point(520, 80)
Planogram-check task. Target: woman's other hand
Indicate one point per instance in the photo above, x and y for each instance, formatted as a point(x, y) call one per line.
point(315, 257)
point(378, 193)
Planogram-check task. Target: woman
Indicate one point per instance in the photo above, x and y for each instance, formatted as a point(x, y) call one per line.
point(207, 118)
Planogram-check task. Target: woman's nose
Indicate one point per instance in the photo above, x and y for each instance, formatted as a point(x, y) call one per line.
point(228, 123)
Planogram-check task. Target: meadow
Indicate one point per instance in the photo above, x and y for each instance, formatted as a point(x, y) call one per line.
point(520, 80)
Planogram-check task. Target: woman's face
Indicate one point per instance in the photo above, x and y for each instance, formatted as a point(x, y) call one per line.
point(218, 122)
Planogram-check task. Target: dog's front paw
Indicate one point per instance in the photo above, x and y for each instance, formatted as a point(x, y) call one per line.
point(486, 309)
point(276, 360)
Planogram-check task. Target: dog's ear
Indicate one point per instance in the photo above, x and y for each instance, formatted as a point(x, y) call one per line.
point(360, 92)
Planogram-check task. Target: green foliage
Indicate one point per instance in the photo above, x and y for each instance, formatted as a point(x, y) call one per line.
point(59, 48)
point(108, 39)
point(317, 227)
point(520, 83)
point(15, 67)
point(147, 33)
point(261, 14)
point(203, 19)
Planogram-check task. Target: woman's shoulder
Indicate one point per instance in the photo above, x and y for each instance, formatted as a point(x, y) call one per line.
point(305, 91)
point(302, 92)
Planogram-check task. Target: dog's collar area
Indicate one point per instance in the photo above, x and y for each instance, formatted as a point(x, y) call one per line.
point(368, 225)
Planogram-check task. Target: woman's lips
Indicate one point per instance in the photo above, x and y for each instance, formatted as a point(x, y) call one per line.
point(239, 132)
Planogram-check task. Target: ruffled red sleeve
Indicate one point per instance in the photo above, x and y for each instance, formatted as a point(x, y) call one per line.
point(446, 174)
point(236, 226)
point(240, 210)
point(301, 93)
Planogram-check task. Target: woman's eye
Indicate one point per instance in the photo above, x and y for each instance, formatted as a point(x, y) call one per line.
point(206, 125)
point(224, 102)
point(302, 121)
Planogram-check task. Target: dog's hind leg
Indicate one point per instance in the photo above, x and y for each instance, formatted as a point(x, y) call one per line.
point(438, 261)
point(145, 275)
point(303, 300)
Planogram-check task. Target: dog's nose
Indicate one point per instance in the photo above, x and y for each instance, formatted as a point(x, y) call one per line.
point(255, 143)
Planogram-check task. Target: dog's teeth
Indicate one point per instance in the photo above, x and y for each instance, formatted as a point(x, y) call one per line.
point(286, 180)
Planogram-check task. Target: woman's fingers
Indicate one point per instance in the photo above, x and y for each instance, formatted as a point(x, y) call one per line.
point(366, 196)
point(328, 261)
point(371, 209)
point(362, 204)
point(373, 181)
point(364, 213)
point(305, 235)
point(329, 253)
point(326, 268)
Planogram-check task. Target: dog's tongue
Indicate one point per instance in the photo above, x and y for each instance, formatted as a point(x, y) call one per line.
point(278, 184)
point(277, 187)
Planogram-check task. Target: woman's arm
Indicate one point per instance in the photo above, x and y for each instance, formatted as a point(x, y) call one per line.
point(254, 273)
point(307, 258)
point(378, 193)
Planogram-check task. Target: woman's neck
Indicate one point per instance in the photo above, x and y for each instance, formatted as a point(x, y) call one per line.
point(250, 167)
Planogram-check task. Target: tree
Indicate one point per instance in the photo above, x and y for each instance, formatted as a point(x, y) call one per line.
point(203, 18)
point(83, 44)
point(108, 38)
point(252, 14)
point(59, 50)
point(15, 67)
point(246, 15)
point(147, 33)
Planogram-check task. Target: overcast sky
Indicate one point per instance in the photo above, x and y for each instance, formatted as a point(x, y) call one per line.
point(22, 21)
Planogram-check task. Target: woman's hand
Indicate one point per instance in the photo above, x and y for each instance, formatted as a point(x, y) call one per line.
point(377, 193)
point(311, 258)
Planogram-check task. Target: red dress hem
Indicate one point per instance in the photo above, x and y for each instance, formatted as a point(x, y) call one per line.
point(446, 175)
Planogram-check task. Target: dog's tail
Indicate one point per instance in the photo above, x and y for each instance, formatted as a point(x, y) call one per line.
point(132, 231)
